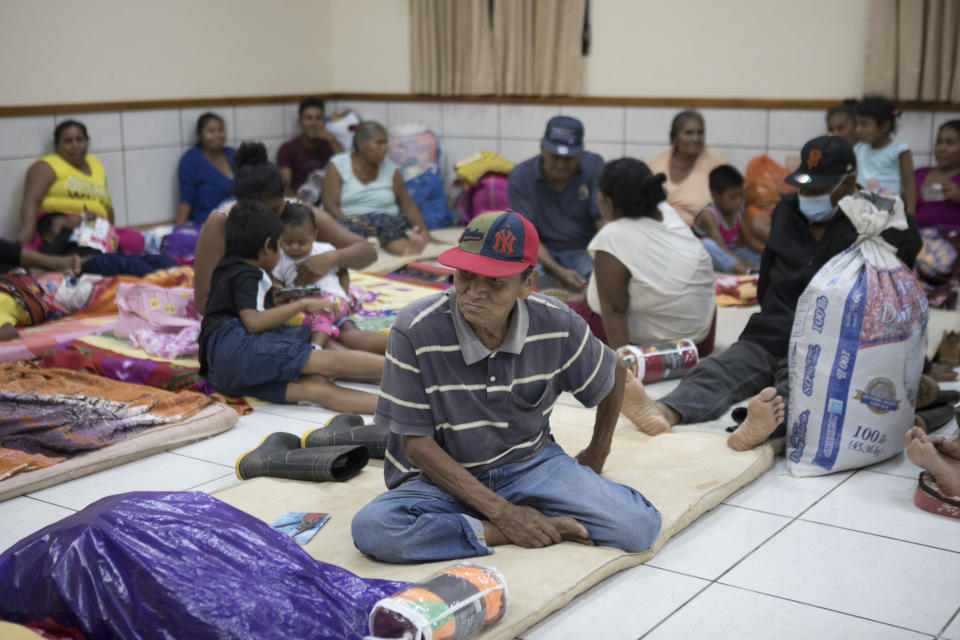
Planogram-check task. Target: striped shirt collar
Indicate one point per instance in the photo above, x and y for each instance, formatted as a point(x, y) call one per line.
point(472, 349)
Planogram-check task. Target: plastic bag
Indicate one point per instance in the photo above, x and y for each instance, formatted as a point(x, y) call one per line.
point(763, 185)
point(426, 190)
point(96, 233)
point(342, 123)
point(180, 565)
point(415, 149)
point(856, 351)
point(149, 306)
point(763, 182)
point(453, 604)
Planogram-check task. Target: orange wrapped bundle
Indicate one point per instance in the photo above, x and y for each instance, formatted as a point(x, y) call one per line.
point(454, 604)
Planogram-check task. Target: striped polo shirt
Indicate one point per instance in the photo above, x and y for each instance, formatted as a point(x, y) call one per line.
point(485, 408)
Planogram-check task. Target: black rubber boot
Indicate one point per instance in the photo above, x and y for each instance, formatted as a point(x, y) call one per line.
point(933, 418)
point(348, 428)
point(251, 464)
point(317, 464)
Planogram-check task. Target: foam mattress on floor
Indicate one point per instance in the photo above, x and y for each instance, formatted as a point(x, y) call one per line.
point(683, 474)
point(211, 420)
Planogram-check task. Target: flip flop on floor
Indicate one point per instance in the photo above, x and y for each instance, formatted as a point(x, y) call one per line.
point(928, 497)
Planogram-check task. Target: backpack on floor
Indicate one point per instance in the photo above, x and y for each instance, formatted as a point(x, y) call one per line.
point(489, 194)
point(856, 351)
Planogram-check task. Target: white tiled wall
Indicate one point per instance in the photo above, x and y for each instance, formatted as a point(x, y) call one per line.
point(140, 148)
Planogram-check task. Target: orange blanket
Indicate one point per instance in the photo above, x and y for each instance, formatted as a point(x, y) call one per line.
point(48, 415)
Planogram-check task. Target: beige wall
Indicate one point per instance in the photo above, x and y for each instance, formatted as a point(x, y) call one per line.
point(106, 50)
point(728, 48)
point(141, 49)
point(371, 45)
point(680, 48)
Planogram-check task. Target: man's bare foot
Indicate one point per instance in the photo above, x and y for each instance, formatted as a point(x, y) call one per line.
point(570, 530)
point(416, 242)
point(764, 412)
point(945, 470)
point(947, 447)
point(642, 410)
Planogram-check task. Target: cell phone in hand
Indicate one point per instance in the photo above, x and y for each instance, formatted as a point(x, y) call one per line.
point(295, 293)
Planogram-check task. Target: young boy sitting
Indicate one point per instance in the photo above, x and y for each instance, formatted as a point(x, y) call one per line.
point(297, 243)
point(720, 225)
point(245, 349)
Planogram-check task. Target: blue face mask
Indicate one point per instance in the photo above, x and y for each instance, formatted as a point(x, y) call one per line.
point(818, 208)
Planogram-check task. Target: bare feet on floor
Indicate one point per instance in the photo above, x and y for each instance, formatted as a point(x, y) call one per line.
point(944, 468)
point(641, 409)
point(416, 242)
point(947, 447)
point(764, 412)
point(570, 530)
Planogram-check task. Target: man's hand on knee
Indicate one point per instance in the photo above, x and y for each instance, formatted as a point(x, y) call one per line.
point(593, 458)
point(526, 527)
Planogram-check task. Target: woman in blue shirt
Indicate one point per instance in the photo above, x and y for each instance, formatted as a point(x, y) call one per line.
point(205, 172)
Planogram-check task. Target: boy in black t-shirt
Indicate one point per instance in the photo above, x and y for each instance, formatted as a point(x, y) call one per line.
point(245, 346)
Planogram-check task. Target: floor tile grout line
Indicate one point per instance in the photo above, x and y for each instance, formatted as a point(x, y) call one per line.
point(777, 532)
point(674, 612)
point(895, 475)
point(822, 608)
point(226, 475)
point(955, 616)
point(752, 551)
point(878, 535)
point(54, 504)
point(821, 498)
point(189, 457)
point(769, 513)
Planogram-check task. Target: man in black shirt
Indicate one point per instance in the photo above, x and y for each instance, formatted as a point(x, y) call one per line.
point(807, 230)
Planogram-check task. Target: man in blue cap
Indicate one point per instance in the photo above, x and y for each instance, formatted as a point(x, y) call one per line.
point(557, 191)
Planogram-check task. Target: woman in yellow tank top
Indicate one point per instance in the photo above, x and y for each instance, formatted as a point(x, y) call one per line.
point(69, 181)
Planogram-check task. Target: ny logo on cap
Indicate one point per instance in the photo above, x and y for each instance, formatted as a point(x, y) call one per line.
point(503, 241)
point(814, 158)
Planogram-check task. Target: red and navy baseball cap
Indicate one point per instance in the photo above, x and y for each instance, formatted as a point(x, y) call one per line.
point(495, 244)
point(824, 161)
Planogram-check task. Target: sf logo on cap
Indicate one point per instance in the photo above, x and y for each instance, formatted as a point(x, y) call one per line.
point(814, 158)
point(503, 241)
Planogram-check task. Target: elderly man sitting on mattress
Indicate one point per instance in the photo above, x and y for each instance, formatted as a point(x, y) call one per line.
point(470, 380)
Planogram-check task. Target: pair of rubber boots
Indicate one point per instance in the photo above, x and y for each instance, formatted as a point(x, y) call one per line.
point(335, 452)
point(935, 407)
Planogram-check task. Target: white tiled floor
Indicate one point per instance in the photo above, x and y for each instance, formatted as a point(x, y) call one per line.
point(845, 556)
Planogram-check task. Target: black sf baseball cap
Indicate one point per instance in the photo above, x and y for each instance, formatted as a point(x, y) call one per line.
point(823, 161)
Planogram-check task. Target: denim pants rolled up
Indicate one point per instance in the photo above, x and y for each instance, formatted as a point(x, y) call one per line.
point(577, 259)
point(723, 261)
point(419, 522)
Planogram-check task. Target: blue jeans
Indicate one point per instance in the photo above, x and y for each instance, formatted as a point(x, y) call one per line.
point(577, 259)
point(723, 261)
point(419, 522)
